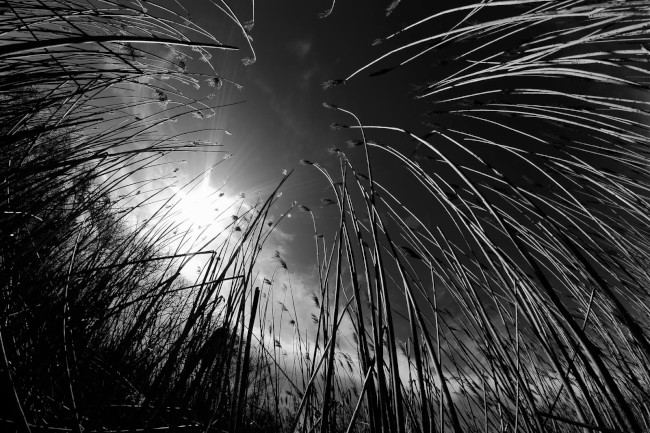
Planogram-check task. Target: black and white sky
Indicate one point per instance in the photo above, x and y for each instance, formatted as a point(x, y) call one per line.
point(278, 116)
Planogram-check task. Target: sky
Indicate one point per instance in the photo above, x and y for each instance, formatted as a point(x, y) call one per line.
point(276, 118)
point(282, 119)
point(269, 115)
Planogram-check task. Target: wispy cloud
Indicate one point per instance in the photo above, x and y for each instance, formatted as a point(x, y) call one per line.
point(300, 47)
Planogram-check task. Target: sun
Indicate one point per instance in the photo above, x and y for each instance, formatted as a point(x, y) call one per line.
point(204, 219)
point(204, 212)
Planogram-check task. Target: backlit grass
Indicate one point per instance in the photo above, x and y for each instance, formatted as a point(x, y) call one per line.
point(495, 280)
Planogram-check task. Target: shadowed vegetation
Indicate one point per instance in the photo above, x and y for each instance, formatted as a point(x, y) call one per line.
point(495, 280)
point(533, 167)
point(100, 329)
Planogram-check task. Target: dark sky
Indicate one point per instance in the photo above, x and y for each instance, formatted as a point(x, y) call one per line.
point(279, 120)
point(282, 119)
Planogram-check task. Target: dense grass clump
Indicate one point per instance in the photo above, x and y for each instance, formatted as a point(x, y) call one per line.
point(100, 329)
point(523, 281)
point(509, 294)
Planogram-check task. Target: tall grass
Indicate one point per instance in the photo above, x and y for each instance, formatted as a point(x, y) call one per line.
point(520, 289)
point(101, 330)
point(509, 293)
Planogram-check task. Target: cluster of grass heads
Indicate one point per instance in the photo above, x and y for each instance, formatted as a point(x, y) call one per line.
point(509, 294)
point(510, 291)
point(100, 330)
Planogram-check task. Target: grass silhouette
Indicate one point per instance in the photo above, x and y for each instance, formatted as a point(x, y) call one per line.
point(522, 307)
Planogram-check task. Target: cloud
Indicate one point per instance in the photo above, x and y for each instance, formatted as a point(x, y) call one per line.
point(300, 47)
point(305, 77)
point(283, 107)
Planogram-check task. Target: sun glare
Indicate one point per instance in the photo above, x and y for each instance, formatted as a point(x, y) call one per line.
point(204, 211)
point(203, 218)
